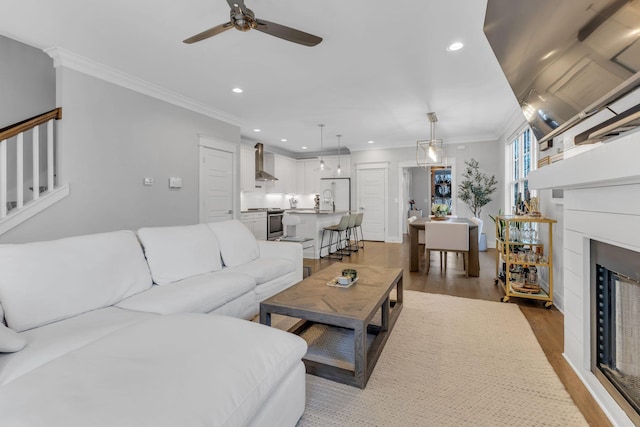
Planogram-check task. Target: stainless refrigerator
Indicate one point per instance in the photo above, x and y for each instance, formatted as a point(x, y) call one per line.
point(335, 191)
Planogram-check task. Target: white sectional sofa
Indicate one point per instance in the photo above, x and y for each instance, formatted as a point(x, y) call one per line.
point(115, 329)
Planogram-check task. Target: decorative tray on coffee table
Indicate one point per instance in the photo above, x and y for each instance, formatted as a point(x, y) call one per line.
point(334, 282)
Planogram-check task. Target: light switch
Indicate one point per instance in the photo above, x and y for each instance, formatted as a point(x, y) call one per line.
point(175, 182)
point(148, 181)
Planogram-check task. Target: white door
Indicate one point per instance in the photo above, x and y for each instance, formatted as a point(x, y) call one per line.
point(216, 184)
point(372, 202)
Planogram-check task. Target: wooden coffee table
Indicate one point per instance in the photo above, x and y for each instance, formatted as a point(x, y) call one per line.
point(352, 308)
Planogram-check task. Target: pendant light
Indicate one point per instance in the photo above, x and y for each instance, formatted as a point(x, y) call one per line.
point(430, 152)
point(339, 170)
point(323, 166)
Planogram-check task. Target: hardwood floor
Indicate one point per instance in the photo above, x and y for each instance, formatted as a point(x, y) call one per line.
point(547, 324)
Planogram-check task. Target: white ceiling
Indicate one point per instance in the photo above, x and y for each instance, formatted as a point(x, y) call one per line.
point(381, 66)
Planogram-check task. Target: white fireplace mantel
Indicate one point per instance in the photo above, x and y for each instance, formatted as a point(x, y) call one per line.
point(611, 163)
point(601, 202)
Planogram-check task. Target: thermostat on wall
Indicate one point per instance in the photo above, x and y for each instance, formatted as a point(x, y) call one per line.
point(175, 182)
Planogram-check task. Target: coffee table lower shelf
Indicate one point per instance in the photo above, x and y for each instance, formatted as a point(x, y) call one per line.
point(331, 352)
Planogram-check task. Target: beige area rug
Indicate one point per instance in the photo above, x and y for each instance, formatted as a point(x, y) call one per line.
point(449, 362)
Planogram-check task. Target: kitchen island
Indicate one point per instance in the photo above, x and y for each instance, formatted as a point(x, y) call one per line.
point(311, 223)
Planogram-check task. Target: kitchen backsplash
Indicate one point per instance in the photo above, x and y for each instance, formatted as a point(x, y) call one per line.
point(260, 199)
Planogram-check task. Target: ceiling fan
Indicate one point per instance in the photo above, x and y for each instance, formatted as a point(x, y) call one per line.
point(243, 19)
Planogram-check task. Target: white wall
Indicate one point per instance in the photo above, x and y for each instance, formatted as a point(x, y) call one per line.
point(110, 138)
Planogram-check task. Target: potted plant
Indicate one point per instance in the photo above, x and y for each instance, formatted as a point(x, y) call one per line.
point(475, 190)
point(500, 224)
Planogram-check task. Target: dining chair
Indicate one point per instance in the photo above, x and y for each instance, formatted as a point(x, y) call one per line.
point(447, 237)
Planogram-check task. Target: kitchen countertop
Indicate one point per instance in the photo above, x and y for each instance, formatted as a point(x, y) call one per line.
point(315, 212)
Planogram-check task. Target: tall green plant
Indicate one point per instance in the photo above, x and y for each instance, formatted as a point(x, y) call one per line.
point(476, 188)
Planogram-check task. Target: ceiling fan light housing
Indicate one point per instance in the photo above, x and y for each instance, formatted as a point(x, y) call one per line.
point(243, 21)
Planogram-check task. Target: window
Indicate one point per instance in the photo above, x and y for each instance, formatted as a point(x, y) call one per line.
point(521, 159)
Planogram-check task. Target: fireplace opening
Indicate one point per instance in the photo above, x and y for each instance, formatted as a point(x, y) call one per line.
point(615, 316)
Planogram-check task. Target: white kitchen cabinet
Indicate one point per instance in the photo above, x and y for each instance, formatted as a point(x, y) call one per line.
point(247, 168)
point(256, 222)
point(299, 178)
point(260, 227)
point(284, 168)
point(311, 176)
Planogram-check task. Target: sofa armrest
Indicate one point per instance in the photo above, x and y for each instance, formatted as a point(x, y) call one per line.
point(291, 251)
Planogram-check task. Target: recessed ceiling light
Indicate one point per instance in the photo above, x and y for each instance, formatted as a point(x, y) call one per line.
point(256, 130)
point(237, 90)
point(304, 148)
point(455, 46)
point(283, 140)
point(370, 142)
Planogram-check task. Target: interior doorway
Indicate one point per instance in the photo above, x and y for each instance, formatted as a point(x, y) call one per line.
point(372, 200)
point(218, 198)
point(416, 184)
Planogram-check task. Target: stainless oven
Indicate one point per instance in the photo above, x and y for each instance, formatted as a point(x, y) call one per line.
point(274, 223)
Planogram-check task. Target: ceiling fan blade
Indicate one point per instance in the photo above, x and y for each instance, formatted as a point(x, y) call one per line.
point(209, 33)
point(287, 33)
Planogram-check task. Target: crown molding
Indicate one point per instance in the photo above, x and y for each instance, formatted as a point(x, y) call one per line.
point(67, 59)
point(471, 139)
point(512, 123)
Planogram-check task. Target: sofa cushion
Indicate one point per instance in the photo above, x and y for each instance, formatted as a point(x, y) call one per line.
point(265, 269)
point(176, 253)
point(47, 281)
point(237, 243)
point(183, 370)
point(10, 340)
point(200, 294)
point(56, 339)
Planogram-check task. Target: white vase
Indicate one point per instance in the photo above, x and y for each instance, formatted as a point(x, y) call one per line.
point(482, 244)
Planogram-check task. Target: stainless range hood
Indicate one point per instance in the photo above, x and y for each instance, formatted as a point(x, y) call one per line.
point(261, 174)
point(567, 60)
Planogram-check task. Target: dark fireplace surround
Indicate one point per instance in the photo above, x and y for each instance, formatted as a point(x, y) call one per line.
point(615, 324)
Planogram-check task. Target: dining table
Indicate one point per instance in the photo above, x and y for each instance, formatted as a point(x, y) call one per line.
point(418, 224)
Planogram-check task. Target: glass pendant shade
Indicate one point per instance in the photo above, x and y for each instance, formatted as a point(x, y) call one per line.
point(323, 166)
point(430, 152)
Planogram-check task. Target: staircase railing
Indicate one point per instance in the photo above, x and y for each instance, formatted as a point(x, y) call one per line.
point(18, 131)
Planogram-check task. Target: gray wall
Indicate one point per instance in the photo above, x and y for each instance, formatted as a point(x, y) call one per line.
point(420, 185)
point(27, 89)
point(27, 82)
point(110, 138)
